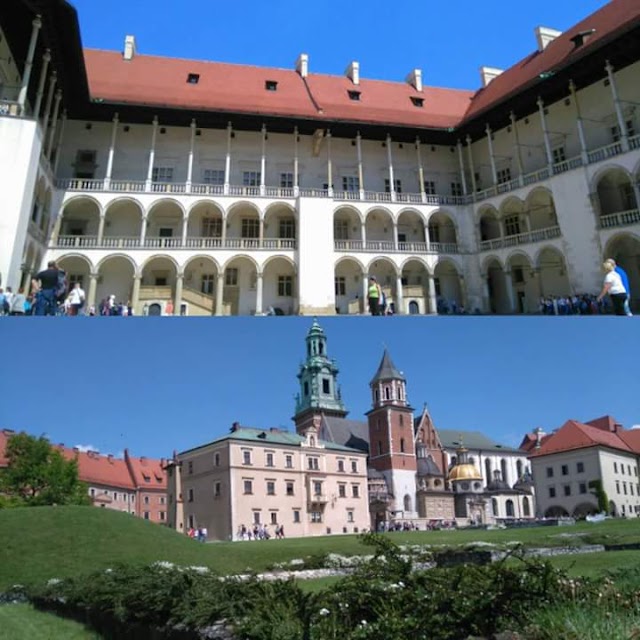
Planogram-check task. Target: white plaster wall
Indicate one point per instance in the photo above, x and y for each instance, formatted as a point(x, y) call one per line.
point(402, 483)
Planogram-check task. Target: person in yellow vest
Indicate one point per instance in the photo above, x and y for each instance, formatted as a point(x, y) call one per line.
point(374, 294)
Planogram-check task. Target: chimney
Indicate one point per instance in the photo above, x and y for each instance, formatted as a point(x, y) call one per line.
point(302, 65)
point(129, 48)
point(539, 433)
point(353, 72)
point(415, 79)
point(110, 458)
point(487, 74)
point(545, 36)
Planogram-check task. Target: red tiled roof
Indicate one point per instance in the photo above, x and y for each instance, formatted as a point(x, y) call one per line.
point(162, 82)
point(576, 435)
point(147, 473)
point(632, 439)
point(614, 16)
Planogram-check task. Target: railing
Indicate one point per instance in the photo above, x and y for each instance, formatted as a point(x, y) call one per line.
point(207, 189)
point(388, 246)
point(130, 186)
point(567, 165)
point(162, 243)
point(610, 151)
point(318, 499)
point(168, 187)
point(619, 219)
point(252, 192)
point(150, 242)
point(539, 235)
point(314, 193)
point(634, 142)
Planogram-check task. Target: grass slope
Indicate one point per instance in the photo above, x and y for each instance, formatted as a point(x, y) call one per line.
point(53, 542)
point(23, 622)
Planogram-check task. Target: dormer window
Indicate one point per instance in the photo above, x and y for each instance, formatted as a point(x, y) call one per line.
point(271, 85)
point(582, 38)
point(417, 101)
point(354, 95)
point(193, 78)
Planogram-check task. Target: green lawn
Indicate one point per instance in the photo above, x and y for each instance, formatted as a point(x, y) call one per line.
point(23, 622)
point(53, 542)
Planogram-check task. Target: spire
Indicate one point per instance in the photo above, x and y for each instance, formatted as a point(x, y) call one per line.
point(387, 370)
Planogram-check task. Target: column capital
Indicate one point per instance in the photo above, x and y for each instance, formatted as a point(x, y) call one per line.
point(572, 86)
point(154, 122)
point(116, 118)
point(37, 21)
point(229, 127)
point(512, 117)
point(46, 56)
point(609, 68)
point(488, 129)
point(193, 123)
point(58, 95)
point(180, 275)
point(94, 275)
point(540, 102)
point(468, 139)
point(264, 128)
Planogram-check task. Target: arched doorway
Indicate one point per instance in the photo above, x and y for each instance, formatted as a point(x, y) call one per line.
point(625, 250)
point(158, 283)
point(514, 221)
point(78, 269)
point(279, 287)
point(523, 283)
point(280, 227)
point(79, 224)
point(448, 288)
point(552, 273)
point(442, 233)
point(510, 510)
point(164, 225)
point(200, 285)
point(541, 210)
point(615, 196)
point(415, 287)
point(205, 225)
point(115, 278)
point(385, 273)
point(347, 229)
point(499, 301)
point(240, 287)
point(379, 230)
point(122, 224)
point(243, 226)
point(489, 228)
point(348, 286)
point(411, 232)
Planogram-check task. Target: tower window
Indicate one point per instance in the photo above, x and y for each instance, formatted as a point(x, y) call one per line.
point(401, 420)
point(271, 85)
point(321, 348)
point(417, 102)
point(401, 445)
point(379, 447)
point(354, 95)
point(326, 386)
point(306, 388)
point(387, 393)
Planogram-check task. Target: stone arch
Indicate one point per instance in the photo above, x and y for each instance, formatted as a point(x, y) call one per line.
point(386, 273)
point(115, 277)
point(78, 269)
point(349, 294)
point(240, 285)
point(624, 248)
point(205, 224)
point(526, 507)
point(200, 284)
point(280, 226)
point(496, 281)
point(523, 282)
point(585, 509)
point(443, 229)
point(379, 226)
point(116, 255)
point(448, 286)
point(512, 217)
point(415, 287)
point(614, 187)
point(556, 511)
point(243, 225)
point(122, 221)
point(347, 228)
point(411, 230)
point(489, 225)
point(79, 221)
point(541, 209)
point(551, 268)
point(165, 220)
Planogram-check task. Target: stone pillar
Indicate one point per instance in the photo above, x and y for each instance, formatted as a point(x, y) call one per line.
point(93, 287)
point(219, 293)
point(259, 293)
point(135, 296)
point(580, 124)
point(260, 232)
point(47, 108)
point(420, 170)
point(396, 245)
point(28, 65)
point(433, 300)
point(101, 228)
point(545, 134)
point(360, 171)
point(185, 225)
point(192, 144)
point(112, 151)
point(227, 161)
point(492, 158)
point(461, 164)
point(329, 166)
point(296, 176)
point(177, 303)
point(392, 184)
point(399, 295)
point(363, 234)
point(516, 146)
point(46, 59)
point(263, 160)
point(486, 296)
point(365, 292)
point(223, 239)
point(152, 154)
point(63, 125)
point(54, 124)
point(508, 284)
point(624, 134)
point(143, 231)
point(471, 167)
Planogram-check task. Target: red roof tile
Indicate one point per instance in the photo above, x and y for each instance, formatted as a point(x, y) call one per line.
point(147, 473)
point(632, 439)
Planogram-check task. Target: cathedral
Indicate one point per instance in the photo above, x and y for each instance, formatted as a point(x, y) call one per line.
point(417, 473)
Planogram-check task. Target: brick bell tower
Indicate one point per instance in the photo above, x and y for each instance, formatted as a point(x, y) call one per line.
point(391, 438)
point(319, 390)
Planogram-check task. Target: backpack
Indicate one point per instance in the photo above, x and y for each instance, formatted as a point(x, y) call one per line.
point(61, 286)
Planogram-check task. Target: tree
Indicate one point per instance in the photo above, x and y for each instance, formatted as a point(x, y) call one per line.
point(38, 474)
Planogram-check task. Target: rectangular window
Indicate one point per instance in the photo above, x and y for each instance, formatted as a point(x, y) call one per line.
point(162, 515)
point(350, 515)
point(251, 179)
point(317, 488)
point(624, 488)
point(274, 517)
point(552, 492)
point(271, 488)
point(287, 229)
point(355, 490)
point(342, 490)
point(162, 174)
point(583, 487)
point(503, 175)
point(250, 228)
point(615, 467)
point(617, 486)
point(269, 461)
point(256, 517)
point(314, 464)
point(190, 495)
point(147, 515)
point(567, 490)
point(340, 284)
point(213, 176)
point(316, 516)
point(248, 487)
point(288, 462)
point(326, 386)
point(354, 466)
point(207, 283)
point(246, 457)
point(565, 469)
point(622, 469)
point(580, 467)
point(296, 515)
point(397, 183)
point(211, 227)
point(190, 466)
point(549, 472)
point(456, 189)
point(231, 277)
point(290, 488)
point(341, 230)
point(217, 489)
point(512, 225)
point(146, 498)
point(286, 180)
point(350, 183)
point(429, 187)
point(559, 155)
point(285, 286)
point(341, 466)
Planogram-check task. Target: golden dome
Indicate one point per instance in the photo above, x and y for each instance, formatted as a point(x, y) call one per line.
point(464, 471)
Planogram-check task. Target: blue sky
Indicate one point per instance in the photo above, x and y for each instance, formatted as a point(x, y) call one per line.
point(158, 384)
point(448, 40)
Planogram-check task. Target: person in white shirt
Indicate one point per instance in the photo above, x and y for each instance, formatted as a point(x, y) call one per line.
point(614, 288)
point(76, 299)
point(18, 303)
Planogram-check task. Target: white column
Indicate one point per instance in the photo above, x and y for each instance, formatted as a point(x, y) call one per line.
point(219, 293)
point(516, 145)
point(471, 167)
point(28, 65)
point(363, 234)
point(545, 133)
point(296, 176)
point(143, 230)
point(485, 293)
point(365, 292)
point(101, 228)
point(223, 239)
point(93, 286)
point(433, 301)
point(260, 232)
point(461, 164)
point(185, 224)
point(360, 172)
point(47, 108)
point(63, 125)
point(392, 184)
point(135, 296)
point(177, 303)
point(399, 295)
point(508, 284)
point(227, 161)
point(420, 170)
point(46, 59)
point(581, 135)
point(329, 166)
point(263, 160)
point(492, 159)
point(152, 153)
point(112, 150)
point(54, 124)
point(259, 293)
point(192, 145)
point(624, 135)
